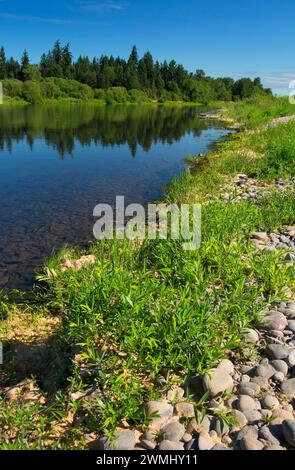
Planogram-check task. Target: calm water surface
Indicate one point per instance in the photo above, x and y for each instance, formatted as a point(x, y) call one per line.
point(58, 162)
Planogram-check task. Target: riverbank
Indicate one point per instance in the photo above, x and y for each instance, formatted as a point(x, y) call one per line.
point(128, 324)
point(10, 101)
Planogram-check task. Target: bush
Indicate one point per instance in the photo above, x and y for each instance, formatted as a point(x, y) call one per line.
point(13, 88)
point(116, 95)
point(32, 92)
point(71, 88)
point(99, 94)
point(137, 96)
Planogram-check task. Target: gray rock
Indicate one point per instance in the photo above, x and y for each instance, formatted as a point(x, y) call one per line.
point(270, 402)
point(162, 409)
point(227, 366)
point(245, 379)
point(266, 371)
point(250, 335)
point(148, 436)
point(205, 442)
point(176, 393)
point(149, 445)
point(276, 333)
point(277, 351)
point(291, 325)
point(217, 382)
point(247, 369)
point(170, 445)
point(239, 419)
point(261, 237)
point(244, 390)
point(248, 443)
point(265, 434)
point(252, 416)
point(186, 437)
point(124, 440)
point(278, 377)
point(262, 382)
point(185, 410)
point(219, 427)
point(246, 403)
point(275, 321)
point(289, 431)
point(280, 366)
point(251, 431)
point(291, 305)
point(274, 447)
point(191, 445)
point(173, 431)
point(288, 388)
point(291, 359)
point(220, 447)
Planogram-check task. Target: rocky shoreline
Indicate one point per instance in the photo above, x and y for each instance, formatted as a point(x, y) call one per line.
point(250, 405)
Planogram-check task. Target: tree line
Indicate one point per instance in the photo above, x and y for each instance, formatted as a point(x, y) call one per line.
point(161, 81)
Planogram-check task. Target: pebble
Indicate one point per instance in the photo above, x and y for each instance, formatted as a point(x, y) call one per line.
point(280, 366)
point(186, 437)
point(217, 382)
point(262, 382)
point(277, 351)
point(124, 440)
point(185, 410)
point(291, 325)
point(280, 416)
point(265, 434)
point(270, 402)
point(191, 445)
point(279, 377)
point(245, 379)
point(176, 393)
point(288, 388)
point(250, 335)
point(220, 427)
point(266, 371)
point(149, 445)
point(205, 442)
point(248, 443)
point(220, 447)
point(251, 431)
point(252, 416)
point(163, 409)
point(274, 447)
point(226, 366)
point(240, 419)
point(289, 431)
point(244, 390)
point(246, 403)
point(291, 359)
point(170, 445)
point(173, 431)
point(275, 321)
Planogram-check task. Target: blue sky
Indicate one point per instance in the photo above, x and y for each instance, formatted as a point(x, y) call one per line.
point(232, 38)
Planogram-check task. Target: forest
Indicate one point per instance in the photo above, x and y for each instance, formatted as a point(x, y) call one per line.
point(112, 80)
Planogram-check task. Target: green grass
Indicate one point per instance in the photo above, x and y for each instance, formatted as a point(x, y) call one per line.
point(141, 315)
point(147, 315)
point(255, 111)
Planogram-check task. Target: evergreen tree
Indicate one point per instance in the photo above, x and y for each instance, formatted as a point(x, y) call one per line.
point(25, 62)
point(3, 69)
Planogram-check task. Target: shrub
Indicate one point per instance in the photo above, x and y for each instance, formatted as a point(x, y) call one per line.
point(137, 96)
point(71, 88)
point(99, 94)
point(32, 92)
point(116, 95)
point(13, 87)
